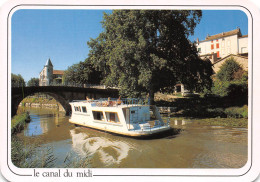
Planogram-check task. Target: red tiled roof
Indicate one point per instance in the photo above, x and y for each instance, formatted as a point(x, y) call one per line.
point(225, 34)
point(244, 36)
point(58, 72)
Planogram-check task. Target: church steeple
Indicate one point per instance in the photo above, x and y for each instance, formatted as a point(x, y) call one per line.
point(48, 63)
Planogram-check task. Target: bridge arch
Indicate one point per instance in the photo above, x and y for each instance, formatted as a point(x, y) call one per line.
point(63, 102)
point(61, 94)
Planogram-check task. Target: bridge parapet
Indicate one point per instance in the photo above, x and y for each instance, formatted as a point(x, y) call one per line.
point(63, 94)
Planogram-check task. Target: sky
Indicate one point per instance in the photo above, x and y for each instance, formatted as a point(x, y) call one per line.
point(62, 35)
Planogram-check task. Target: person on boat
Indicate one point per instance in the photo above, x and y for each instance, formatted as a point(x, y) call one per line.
point(119, 100)
point(109, 102)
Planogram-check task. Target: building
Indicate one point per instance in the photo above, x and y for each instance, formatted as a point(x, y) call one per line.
point(221, 47)
point(224, 44)
point(48, 76)
point(57, 76)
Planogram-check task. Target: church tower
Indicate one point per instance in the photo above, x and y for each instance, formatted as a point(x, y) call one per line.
point(46, 75)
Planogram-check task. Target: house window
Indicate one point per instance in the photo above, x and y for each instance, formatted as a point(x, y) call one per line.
point(212, 41)
point(199, 50)
point(218, 54)
point(228, 43)
point(217, 45)
point(217, 40)
point(223, 52)
point(212, 46)
point(223, 44)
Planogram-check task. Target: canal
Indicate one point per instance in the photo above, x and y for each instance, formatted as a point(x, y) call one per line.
point(196, 146)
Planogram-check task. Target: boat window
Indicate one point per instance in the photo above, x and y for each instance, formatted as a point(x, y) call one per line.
point(84, 109)
point(112, 117)
point(98, 115)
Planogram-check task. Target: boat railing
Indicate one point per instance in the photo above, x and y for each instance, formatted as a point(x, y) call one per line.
point(123, 101)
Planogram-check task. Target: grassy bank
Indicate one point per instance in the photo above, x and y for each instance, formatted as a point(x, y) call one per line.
point(229, 112)
point(227, 122)
point(19, 121)
point(28, 154)
point(25, 154)
point(205, 107)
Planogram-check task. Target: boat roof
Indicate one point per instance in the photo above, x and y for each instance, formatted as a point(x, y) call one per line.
point(132, 102)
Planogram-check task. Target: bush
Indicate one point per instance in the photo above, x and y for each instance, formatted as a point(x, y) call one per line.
point(220, 88)
point(231, 81)
point(234, 89)
point(237, 112)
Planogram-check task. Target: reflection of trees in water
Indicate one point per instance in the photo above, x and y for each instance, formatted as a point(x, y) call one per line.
point(109, 152)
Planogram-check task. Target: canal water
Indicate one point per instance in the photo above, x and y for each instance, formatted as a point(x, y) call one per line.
point(196, 146)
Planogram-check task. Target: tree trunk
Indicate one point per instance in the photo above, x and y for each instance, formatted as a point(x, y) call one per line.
point(151, 94)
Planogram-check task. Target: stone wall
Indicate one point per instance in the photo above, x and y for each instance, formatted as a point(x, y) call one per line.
point(41, 105)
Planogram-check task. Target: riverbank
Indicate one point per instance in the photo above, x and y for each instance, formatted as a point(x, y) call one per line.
point(19, 121)
point(198, 107)
point(226, 122)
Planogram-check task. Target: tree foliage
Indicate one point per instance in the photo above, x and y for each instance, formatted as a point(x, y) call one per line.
point(17, 80)
point(82, 73)
point(145, 51)
point(33, 82)
point(231, 80)
point(230, 70)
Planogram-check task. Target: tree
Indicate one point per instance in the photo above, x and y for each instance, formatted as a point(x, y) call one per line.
point(230, 70)
point(145, 51)
point(231, 80)
point(17, 80)
point(33, 82)
point(81, 73)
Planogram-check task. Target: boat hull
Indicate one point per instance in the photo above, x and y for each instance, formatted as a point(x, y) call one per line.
point(133, 133)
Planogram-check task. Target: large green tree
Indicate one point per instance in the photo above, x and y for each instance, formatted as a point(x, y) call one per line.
point(33, 82)
point(145, 51)
point(17, 80)
point(82, 73)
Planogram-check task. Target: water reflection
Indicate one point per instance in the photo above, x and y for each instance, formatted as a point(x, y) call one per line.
point(195, 145)
point(181, 122)
point(34, 128)
point(109, 151)
point(42, 123)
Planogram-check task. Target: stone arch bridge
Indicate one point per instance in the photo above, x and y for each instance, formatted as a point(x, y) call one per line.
point(62, 94)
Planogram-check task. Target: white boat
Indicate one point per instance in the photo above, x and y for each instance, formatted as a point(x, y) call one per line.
point(131, 117)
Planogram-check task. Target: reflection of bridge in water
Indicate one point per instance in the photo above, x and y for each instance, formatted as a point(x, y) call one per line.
point(62, 94)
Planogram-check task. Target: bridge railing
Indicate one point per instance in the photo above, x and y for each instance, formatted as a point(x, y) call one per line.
point(72, 85)
point(79, 85)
